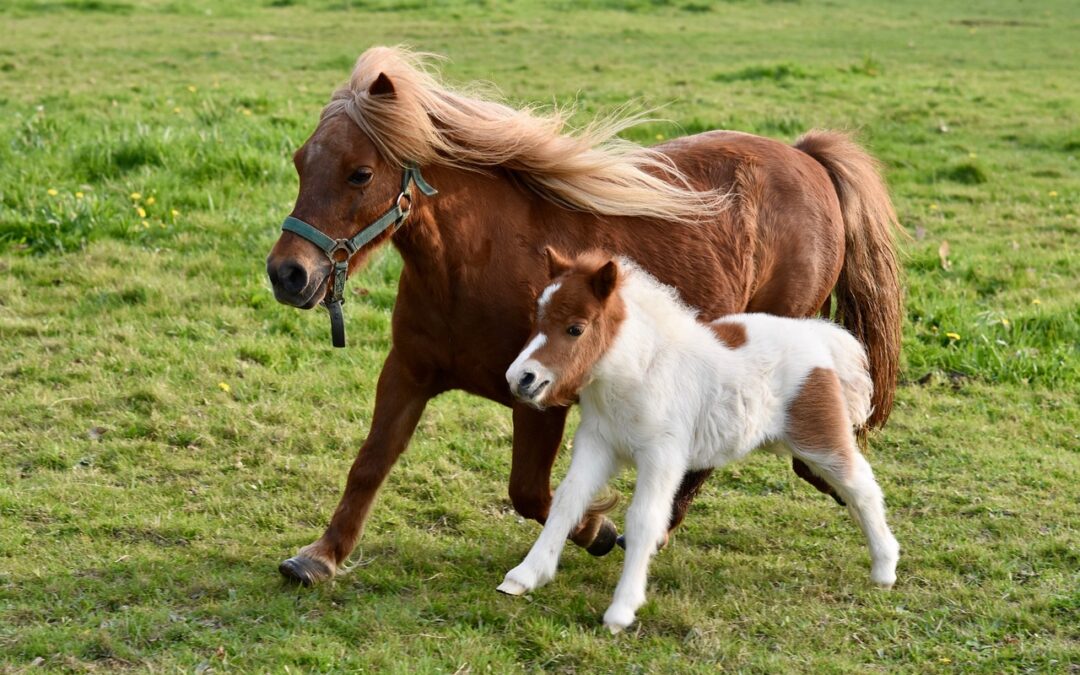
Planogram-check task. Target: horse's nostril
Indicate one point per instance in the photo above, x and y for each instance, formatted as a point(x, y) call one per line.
point(527, 379)
point(292, 277)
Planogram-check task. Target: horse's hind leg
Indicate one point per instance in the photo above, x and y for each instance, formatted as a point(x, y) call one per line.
point(820, 434)
point(537, 436)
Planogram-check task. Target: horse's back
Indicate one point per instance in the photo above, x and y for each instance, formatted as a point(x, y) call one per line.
point(786, 201)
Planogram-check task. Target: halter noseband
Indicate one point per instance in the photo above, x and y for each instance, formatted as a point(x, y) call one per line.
point(340, 251)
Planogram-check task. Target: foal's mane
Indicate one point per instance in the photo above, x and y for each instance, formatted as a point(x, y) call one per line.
point(588, 169)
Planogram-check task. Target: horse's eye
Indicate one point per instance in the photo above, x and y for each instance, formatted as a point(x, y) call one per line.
point(360, 177)
point(575, 330)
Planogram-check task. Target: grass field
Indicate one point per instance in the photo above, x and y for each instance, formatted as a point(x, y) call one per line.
point(169, 433)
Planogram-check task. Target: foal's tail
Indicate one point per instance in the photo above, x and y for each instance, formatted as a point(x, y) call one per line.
point(868, 293)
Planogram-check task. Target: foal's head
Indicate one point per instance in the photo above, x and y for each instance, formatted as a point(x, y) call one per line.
point(577, 317)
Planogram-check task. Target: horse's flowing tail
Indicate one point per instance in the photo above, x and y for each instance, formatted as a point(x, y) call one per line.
point(868, 294)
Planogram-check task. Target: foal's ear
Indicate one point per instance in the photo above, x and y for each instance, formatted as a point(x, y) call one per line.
point(604, 279)
point(382, 86)
point(556, 264)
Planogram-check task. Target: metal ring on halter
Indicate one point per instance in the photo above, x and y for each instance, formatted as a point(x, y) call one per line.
point(344, 246)
point(407, 196)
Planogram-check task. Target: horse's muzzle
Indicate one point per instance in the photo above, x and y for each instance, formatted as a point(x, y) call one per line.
point(294, 284)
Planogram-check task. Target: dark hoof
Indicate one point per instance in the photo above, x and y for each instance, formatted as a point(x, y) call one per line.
point(605, 539)
point(304, 571)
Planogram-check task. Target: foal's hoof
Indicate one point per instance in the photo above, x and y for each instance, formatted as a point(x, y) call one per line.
point(305, 571)
point(511, 587)
point(605, 539)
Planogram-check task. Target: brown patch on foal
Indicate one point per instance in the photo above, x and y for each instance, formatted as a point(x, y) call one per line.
point(731, 333)
point(818, 424)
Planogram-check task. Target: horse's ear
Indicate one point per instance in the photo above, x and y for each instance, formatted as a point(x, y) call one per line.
point(603, 280)
point(556, 264)
point(382, 86)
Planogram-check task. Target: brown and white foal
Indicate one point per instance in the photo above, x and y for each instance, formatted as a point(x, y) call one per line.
point(669, 394)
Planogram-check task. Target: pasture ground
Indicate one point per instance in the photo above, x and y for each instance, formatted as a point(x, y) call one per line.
point(169, 433)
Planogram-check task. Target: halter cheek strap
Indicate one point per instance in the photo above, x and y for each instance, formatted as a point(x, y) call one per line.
point(340, 251)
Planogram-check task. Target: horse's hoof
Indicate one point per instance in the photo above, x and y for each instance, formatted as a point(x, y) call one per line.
point(605, 539)
point(621, 541)
point(305, 571)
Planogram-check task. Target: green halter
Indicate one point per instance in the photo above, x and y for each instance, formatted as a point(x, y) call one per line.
point(340, 251)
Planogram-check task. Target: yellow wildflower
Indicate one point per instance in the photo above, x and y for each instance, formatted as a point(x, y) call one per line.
point(247, 112)
point(953, 336)
point(141, 211)
point(52, 192)
point(1036, 301)
point(1005, 322)
point(659, 137)
point(223, 386)
point(135, 196)
point(191, 88)
point(933, 207)
point(150, 201)
point(175, 213)
point(1052, 193)
point(177, 110)
point(79, 195)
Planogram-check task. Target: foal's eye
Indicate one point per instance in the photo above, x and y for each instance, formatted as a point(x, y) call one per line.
point(360, 177)
point(575, 330)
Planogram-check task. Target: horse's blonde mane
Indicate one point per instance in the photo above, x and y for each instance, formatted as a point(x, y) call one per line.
point(590, 169)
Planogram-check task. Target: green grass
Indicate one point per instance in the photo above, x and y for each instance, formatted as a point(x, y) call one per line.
point(144, 506)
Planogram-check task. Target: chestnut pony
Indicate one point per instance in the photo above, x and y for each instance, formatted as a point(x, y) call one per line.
point(736, 223)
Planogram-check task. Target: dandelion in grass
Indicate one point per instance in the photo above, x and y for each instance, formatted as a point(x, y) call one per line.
point(141, 211)
point(192, 88)
point(135, 196)
point(1052, 193)
point(659, 137)
point(52, 192)
point(150, 200)
point(79, 195)
point(174, 213)
point(1036, 301)
point(177, 110)
point(224, 386)
point(934, 207)
point(247, 112)
point(953, 336)
point(1005, 322)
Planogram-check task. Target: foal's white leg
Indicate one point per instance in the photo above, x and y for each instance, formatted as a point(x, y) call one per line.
point(659, 474)
point(866, 503)
point(590, 468)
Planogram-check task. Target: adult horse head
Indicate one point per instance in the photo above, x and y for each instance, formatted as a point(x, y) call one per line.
point(734, 222)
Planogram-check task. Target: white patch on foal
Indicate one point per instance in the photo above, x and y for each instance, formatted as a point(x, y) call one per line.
point(545, 297)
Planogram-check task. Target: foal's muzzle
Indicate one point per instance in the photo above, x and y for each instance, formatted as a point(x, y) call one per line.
point(528, 385)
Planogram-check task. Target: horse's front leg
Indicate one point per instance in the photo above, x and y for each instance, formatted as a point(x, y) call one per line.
point(537, 435)
point(400, 398)
point(590, 468)
point(658, 479)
